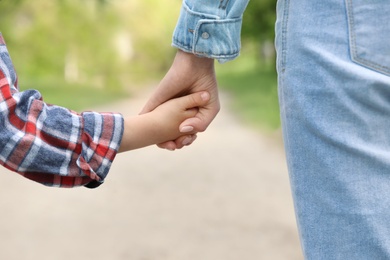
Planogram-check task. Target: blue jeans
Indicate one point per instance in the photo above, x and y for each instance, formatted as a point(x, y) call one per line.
point(334, 89)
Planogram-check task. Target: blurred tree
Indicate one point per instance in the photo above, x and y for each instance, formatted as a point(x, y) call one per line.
point(7, 9)
point(259, 26)
point(259, 20)
point(97, 42)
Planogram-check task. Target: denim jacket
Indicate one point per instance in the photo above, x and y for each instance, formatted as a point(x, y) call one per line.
point(210, 28)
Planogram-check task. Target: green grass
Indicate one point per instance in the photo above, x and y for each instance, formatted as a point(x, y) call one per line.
point(72, 96)
point(254, 90)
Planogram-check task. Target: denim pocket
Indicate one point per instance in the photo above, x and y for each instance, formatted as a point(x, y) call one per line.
point(369, 33)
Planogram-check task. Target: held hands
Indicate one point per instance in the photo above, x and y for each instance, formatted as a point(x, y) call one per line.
point(188, 74)
point(162, 124)
point(167, 117)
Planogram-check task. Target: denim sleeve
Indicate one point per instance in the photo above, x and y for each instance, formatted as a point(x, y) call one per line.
point(210, 28)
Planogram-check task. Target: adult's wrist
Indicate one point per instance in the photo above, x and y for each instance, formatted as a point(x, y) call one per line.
point(193, 60)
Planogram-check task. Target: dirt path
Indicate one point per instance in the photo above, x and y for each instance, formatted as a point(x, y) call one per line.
point(225, 198)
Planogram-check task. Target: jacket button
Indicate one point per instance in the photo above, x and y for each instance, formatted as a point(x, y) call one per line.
point(205, 35)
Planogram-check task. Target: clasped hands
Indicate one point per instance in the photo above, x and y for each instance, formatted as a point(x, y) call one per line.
point(188, 74)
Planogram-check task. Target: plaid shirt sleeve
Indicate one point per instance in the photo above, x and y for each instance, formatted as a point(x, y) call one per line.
point(50, 144)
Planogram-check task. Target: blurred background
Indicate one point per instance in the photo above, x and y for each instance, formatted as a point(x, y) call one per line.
point(226, 197)
point(115, 47)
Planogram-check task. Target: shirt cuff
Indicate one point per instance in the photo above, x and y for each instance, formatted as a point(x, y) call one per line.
point(208, 35)
point(101, 139)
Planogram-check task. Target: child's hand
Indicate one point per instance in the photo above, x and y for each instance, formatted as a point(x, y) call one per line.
point(163, 123)
point(168, 116)
point(188, 74)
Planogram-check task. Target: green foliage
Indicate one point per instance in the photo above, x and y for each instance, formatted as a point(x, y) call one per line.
point(44, 33)
point(98, 43)
point(259, 20)
point(251, 79)
point(254, 90)
point(80, 51)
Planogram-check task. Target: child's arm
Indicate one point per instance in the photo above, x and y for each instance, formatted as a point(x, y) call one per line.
point(161, 124)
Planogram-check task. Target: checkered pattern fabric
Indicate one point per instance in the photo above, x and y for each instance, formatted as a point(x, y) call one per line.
point(50, 144)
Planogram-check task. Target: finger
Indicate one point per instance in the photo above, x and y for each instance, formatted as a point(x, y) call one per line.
point(178, 143)
point(185, 141)
point(151, 104)
point(170, 145)
point(201, 120)
point(154, 101)
point(193, 138)
point(166, 90)
point(198, 99)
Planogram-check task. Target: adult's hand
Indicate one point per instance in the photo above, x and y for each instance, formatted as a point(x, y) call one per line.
point(188, 74)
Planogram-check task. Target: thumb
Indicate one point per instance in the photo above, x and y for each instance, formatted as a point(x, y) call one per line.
point(198, 99)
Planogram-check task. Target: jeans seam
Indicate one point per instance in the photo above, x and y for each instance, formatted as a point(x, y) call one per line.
point(351, 22)
point(283, 109)
point(353, 49)
point(284, 35)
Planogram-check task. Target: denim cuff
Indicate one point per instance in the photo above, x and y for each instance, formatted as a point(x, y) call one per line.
point(208, 35)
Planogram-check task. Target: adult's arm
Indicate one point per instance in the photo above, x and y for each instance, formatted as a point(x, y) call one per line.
point(206, 30)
